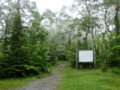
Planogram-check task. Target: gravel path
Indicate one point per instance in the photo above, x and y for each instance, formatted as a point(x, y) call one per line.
point(46, 83)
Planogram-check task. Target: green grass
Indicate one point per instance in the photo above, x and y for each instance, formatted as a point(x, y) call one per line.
point(88, 80)
point(7, 84)
point(62, 62)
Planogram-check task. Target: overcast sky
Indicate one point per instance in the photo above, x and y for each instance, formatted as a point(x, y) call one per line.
point(54, 5)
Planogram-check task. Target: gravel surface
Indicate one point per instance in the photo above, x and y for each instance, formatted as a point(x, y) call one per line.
point(46, 83)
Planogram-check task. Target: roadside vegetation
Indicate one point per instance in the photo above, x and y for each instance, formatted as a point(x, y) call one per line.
point(12, 83)
point(89, 79)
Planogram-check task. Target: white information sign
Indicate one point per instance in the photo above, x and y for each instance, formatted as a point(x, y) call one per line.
point(85, 56)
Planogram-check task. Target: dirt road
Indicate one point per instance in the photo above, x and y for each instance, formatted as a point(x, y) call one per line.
point(46, 83)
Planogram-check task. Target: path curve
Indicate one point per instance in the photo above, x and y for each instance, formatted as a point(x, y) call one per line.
point(47, 83)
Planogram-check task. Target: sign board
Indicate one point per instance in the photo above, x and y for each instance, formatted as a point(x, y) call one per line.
point(85, 56)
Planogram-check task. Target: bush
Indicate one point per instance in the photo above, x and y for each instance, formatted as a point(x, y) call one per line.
point(19, 71)
point(62, 56)
point(115, 52)
point(116, 71)
point(104, 69)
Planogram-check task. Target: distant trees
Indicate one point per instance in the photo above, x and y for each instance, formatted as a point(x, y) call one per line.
point(95, 26)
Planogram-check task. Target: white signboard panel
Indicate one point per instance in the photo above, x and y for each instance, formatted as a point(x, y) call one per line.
point(86, 56)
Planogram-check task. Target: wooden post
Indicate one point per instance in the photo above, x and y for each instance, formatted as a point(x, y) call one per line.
point(76, 59)
point(94, 57)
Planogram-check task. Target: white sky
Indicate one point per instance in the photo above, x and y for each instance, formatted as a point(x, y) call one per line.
point(53, 5)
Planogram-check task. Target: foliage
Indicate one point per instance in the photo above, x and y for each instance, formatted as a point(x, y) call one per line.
point(27, 48)
point(27, 52)
point(115, 51)
point(115, 71)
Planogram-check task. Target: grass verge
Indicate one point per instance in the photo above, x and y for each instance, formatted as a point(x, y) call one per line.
point(12, 83)
point(7, 84)
point(88, 80)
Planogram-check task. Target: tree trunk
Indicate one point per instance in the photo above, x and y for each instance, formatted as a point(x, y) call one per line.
point(5, 41)
point(116, 20)
point(105, 16)
point(18, 6)
point(93, 39)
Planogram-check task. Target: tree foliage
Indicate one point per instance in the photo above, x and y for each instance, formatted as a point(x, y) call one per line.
point(27, 48)
point(30, 42)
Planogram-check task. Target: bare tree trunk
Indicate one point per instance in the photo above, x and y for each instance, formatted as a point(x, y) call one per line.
point(94, 46)
point(105, 16)
point(69, 40)
point(5, 41)
point(116, 20)
point(18, 6)
point(88, 26)
point(85, 39)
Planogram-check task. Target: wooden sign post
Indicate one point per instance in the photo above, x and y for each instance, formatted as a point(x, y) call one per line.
point(76, 59)
point(94, 59)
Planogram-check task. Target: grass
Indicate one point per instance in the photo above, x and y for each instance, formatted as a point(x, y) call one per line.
point(7, 84)
point(12, 83)
point(62, 62)
point(88, 80)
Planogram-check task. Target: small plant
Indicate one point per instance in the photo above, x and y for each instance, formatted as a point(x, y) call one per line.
point(105, 69)
point(116, 71)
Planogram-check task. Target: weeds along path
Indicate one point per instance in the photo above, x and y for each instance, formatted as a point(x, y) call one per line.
point(46, 83)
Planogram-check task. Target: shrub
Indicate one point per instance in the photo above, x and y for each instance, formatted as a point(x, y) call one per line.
point(115, 52)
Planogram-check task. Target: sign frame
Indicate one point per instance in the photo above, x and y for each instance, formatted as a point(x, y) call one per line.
point(77, 58)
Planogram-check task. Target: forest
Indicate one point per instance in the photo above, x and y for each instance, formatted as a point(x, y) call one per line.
point(31, 42)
